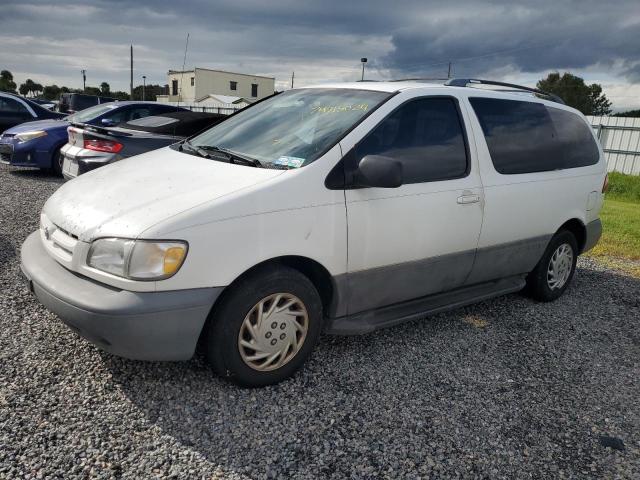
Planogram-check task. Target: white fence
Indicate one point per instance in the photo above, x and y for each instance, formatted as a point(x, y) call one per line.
point(210, 109)
point(620, 139)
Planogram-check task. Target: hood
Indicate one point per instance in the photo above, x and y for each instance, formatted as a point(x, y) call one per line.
point(38, 125)
point(126, 198)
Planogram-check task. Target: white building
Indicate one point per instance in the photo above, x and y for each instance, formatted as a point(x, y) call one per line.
point(190, 86)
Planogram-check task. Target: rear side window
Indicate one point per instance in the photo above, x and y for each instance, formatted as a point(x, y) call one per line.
point(579, 149)
point(426, 135)
point(527, 137)
point(520, 135)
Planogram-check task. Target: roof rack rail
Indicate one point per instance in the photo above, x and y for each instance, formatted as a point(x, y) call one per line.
point(418, 79)
point(463, 82)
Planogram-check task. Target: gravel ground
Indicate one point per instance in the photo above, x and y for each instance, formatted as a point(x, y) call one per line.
point(503, 389)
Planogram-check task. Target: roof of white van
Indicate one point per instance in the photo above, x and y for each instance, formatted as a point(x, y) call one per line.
point(379, 86)
point(386, 86)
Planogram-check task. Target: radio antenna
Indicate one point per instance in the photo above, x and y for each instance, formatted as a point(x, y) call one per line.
point(184, 62)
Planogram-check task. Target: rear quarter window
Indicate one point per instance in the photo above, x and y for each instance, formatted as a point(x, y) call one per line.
point(579, 148)
point(528, 137)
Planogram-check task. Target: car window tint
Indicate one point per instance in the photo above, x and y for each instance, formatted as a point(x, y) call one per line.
point(520, 135)
point(12, 105)
point(139, 112)
point(579, 148)
point(426, 136)
point(118, 115)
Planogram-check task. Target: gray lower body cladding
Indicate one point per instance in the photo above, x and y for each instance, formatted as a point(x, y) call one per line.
point(380, 287)
point(137, 325)
point(593, 234)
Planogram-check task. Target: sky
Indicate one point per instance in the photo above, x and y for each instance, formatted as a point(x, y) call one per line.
point(508, 40)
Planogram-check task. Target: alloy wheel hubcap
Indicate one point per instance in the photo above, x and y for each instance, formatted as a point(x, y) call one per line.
point(273, 332)
point(560, 266)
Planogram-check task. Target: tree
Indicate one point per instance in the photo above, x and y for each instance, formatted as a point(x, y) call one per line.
point(104, 88)
point(589, 99)
point(6, 82)
point(150, 92)
point(30, 88)
point(51, 92)
point(93, 91)
point(120, 95)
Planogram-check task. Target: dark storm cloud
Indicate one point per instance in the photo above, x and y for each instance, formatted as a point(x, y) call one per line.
point(323, 39)
point(528, 36)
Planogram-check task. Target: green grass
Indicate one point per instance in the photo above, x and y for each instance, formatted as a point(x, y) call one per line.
point(620, 243)
point(623, 187)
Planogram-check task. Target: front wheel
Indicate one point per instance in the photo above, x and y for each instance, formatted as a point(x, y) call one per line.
point(265, 327)
point(556, 268)
point(56, 162)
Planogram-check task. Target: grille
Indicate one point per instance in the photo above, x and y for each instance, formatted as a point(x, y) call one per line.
point(5, 157)
point(58, 242)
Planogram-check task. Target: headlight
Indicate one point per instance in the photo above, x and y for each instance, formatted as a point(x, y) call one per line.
point(26, 136)
point(137, 259)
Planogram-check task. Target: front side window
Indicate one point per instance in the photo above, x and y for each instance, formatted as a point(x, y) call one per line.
point(91, 113)
point(294, 128)
point(426, 136)
point(11, 105)
point(139, 112)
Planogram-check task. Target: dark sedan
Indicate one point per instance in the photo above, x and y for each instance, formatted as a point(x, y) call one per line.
point(91, 147)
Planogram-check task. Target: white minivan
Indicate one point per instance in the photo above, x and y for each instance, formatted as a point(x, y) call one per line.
point(341, 208)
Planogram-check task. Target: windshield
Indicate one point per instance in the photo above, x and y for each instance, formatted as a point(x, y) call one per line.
point(89, 114)
point(294, 128)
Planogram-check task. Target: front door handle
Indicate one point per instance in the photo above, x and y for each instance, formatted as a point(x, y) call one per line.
point(465, 199)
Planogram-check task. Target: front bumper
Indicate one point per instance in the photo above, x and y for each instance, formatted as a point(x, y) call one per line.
point(137, 325)
point(18, 155)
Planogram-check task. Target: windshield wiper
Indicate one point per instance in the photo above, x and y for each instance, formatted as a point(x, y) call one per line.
point(186, 145)
point(233, 157)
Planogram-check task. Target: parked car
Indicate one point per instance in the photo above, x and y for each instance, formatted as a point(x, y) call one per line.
point(91, 147)
point(344, 208)
point(46, 103)
point(74, 102)
point(15, 110)
point(38, 144)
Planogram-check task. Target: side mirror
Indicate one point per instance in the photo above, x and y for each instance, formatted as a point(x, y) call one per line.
point(107, 122)
point(379, 171)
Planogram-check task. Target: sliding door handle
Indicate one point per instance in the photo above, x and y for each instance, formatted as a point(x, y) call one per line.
point(465, 199)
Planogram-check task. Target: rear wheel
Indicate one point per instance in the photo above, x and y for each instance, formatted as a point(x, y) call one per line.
point(265, 327)
point(56, 162)
point(556, 268)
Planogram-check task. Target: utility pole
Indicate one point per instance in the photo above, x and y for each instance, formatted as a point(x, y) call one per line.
point(144, 85)
point(293, 74)
point(363, 60)
point(449, 71)
point(131, 81)
point(84, 80)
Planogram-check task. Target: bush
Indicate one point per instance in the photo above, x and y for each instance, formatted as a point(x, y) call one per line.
point(624, 187)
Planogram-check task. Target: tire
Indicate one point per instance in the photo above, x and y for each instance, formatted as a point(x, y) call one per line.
point(235, 327)
point(56, 163)
point(543, 283)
